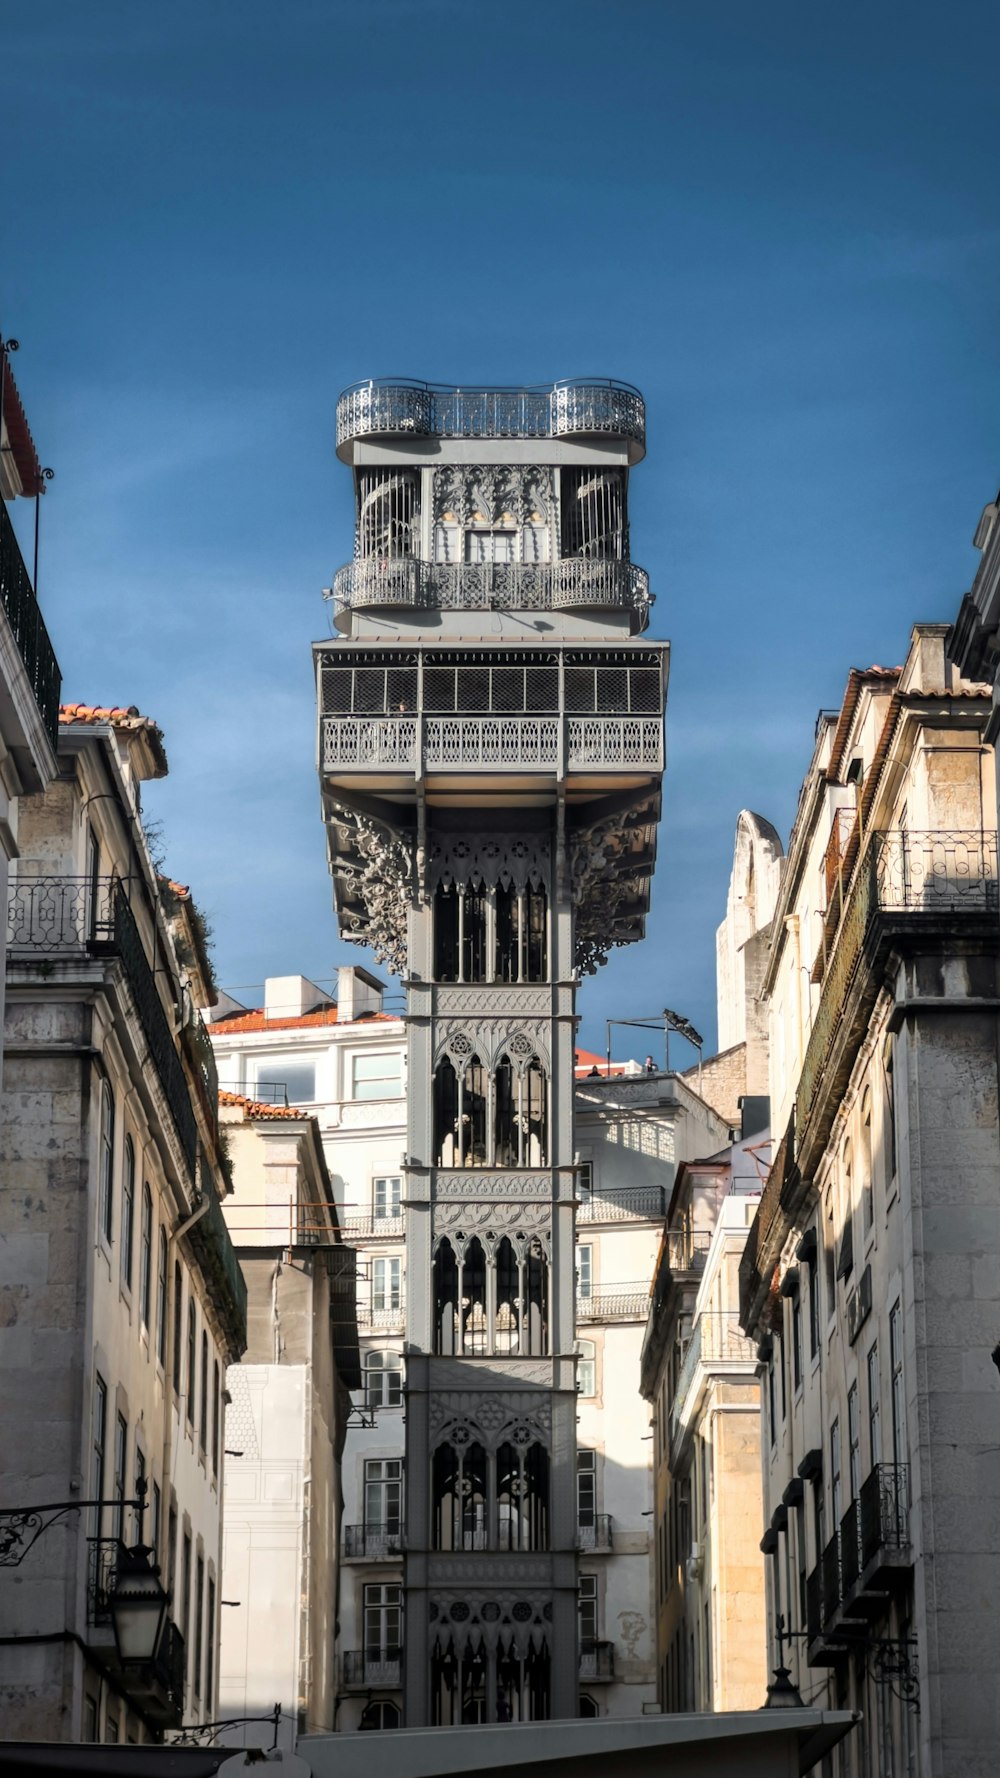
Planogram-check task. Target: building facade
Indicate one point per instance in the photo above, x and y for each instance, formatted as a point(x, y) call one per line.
point(871, 1274)
point(490, 746)
point(286, 1422)
point(123, 1302)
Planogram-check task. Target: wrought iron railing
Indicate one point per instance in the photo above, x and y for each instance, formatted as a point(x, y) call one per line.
point(373, 1667)
point(593, 1531)
point(492, 586)
point(386, 1318)
point(627, 1203)
point(851, 1561)
point(832, 1585)
point(933, 874)
point(47, 915)
point(814, 1603)
point(17, 596)
point(372, 1227)
point(212, 1242)
point(597, 1660)
point(716, 1339)
point(524, 742)
point(619, 1302)
point(156, 1029)
point(373, 1540)
point(885, 1510)
point(578, 406)
point(687, 1251)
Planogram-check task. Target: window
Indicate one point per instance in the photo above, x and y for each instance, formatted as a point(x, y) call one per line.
point(899, 1440)
point(782, 1371)
point(140, 1477)
point(772, 1415)
point(874, 1408)
point(386, 1195)
point(184, 1625)
point(178, 1325)
point(99, 1435)
point(170, 1570)
point(377, 1077)
point(111, 1729)
point(216, 1414)
point(586, 1367)
point(121, 1455)
point(585, 1182)
point(586, 1488)
point(586, 1609)
point(890, 1110)
point(161, 1297)
point(383, 1494)
point(192, 1349)
point(128, 1212)
point(106, 1161)
point(146, 1255)
point(854, 1441)
point(835, 1471)
point(386, 1284)
point(867, 1187)
point(830, 1255)
point(796, 1340)
point(383, 1380)
point(383, 1608)
point(812, 1266)
point(203, 1424)
point(156, 1521)
point(286, 1081)
point(199, 1602)
point(89, 1718)
point(381, 1713)
point(210, 1648)
point(584, 1271)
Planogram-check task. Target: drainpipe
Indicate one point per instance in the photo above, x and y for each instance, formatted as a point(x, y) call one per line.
point(168, 1367)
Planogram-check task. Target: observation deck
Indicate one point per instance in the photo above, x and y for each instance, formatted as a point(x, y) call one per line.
point(574, 408)
point(572, 584)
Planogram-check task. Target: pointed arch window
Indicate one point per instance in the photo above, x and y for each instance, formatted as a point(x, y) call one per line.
point(491, 1119)
point(490, 933)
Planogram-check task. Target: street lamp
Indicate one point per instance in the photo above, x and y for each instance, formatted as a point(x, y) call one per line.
point(138, 1606)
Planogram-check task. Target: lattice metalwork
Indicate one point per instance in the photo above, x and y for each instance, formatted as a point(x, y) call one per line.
point(493, 586)
point(388, 511)
point(589, 406)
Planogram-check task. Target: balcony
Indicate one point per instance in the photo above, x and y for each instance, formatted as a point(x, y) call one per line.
point(868, 1556)
point(401, 407)
point(157, 1690)
point(597, 1661)
point(69, 918)
point(630, 1203)
point(373, 1543)
point(717, 1343)
point(372, 1227)
point(398, 744)
point(593, 1532)
point(372, 1667)
point(17, 596)
point(377, 583)
point(386, 1318)
point(619, 1302)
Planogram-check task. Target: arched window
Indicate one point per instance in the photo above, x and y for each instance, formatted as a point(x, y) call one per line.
point(383, 1380)
point(586, 1367)
point(445, 1299)
point(146, 1255)
point(490, 933)
point(460, 1105)
point(459, 1493)
point(192, 1348)
point(128, 1212)
point(106, 1161)
point(522, 1496)
point(381, 1713)
point(472, 1290)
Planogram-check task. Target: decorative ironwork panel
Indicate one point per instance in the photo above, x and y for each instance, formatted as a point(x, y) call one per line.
point(52, 914)
point(156, 1029)
point(491, 741)
point(572, 408)
point(17, 596)
point(369, 741)
point(614, 741)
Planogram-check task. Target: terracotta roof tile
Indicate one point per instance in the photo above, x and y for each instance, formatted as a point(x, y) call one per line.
point(118, 715)
point(257, 1020)
point(253, 1108)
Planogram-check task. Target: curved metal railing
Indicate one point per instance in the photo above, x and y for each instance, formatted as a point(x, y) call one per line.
point(572, 407)
point(573, 582)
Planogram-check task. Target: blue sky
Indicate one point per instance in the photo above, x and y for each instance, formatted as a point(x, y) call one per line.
point(780, 221)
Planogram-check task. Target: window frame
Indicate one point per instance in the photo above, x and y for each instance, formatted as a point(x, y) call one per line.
point(127, 1230)
point(106, 1163)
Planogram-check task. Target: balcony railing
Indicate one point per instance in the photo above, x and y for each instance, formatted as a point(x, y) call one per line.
point(364, 1667)
point(372, 1227)
point(64, 916)
point(564, 585)
point(885, 1510)
point(526, 743)
point(872, 1540)
point(17, 595)
point(577, 407)
point(716, 1341)
point(597, 1660)
point(915, 877)
point(619, 1302)
point(390, 1318)
point(630, 1203)
point(593, 1532)
point(373, 1541)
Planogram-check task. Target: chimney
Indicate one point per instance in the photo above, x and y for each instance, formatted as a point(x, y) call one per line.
point(289, 996)
point(358, 993)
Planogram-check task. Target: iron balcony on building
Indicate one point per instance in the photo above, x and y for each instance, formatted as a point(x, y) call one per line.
point(627, 1203)
point(373, 1543)
point(17, 596)
point(580, 407)
point(372, 1227)
point(597, 1660)
point(365, 1667)
point(619, 1302)
point(866, 1560)
point(717, 1344)
point(156, 1688)
point(593, 1532)
point(572, 583)
point(391, 1318)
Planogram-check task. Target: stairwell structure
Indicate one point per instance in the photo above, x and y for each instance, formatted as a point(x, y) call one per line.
point(490, 751)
